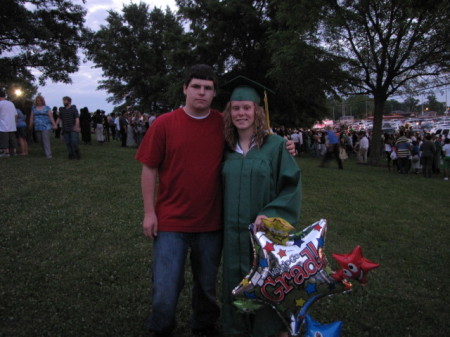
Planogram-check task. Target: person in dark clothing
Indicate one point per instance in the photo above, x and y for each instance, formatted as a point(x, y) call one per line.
point(85, 125)
point(97, 120)
point(111, 126)
point(58, 127)
point(428, 152)
point(123, 129)
point(70, 126)
point(106, 132)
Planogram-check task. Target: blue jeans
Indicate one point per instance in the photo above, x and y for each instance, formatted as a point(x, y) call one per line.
point(170, 250)
point(71, 140)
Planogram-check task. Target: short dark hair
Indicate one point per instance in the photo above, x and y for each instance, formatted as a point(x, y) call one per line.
point(202, 72)
point(67, 98)
point(2, 93)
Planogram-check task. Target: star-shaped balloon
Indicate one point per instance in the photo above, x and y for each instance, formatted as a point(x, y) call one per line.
point(292, 276)
point(353, 265)
point(315, 329)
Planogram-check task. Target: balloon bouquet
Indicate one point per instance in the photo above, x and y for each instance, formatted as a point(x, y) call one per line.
point(290, 272)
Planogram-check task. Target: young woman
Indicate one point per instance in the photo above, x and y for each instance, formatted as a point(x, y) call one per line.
point(260, 179)
point(43, 122)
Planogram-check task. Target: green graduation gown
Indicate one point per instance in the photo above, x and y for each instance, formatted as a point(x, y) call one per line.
point(264, 182)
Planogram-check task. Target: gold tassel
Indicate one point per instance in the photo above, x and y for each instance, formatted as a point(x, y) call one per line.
point(266, 110)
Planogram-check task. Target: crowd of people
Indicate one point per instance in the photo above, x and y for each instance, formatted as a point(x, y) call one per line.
point(35, 122)
point(26, 122)
point(22, 123)
point(404, 152)
point(127, 127)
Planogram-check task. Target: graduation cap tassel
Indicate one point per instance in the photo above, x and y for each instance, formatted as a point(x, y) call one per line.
point(266, 110)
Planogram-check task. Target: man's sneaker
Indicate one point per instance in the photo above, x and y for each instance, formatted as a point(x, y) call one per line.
point(4, 155)
point(446, 178)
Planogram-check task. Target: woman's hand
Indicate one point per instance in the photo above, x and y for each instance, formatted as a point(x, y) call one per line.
point(258, 225)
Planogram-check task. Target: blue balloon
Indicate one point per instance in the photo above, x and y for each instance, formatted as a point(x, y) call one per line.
point(315, 329)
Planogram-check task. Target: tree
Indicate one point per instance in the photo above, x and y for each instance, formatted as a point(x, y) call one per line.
point(240, 38)
point(392, 105)
point(231, 36)
point(411, 104)
point(305, 74)
point(141, 54)
point(384, 46)
point(42, 35)
point(388, 45)
point(433, 104)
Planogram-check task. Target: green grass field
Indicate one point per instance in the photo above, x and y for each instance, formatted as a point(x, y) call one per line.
point(74, 261)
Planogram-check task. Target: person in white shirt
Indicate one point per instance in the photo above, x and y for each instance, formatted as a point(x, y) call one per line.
point(446, 153)
point(295, 137)
point(8, 115)
point(363, 148)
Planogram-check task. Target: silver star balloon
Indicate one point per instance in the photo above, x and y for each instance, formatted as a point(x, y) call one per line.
point(289, 277)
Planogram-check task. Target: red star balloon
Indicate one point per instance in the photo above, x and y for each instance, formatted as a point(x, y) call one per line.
point(353, 265)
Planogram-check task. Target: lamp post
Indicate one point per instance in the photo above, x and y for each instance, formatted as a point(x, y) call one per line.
point(18, 92)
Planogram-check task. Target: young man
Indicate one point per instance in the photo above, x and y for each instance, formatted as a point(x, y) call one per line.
point(332, 148)
point(184, 148)
point(8, 115)
point(70, 127)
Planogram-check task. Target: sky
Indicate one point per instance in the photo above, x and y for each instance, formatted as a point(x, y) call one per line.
point(83, 89)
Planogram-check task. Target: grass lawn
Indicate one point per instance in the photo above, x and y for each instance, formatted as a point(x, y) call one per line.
point(74, 261)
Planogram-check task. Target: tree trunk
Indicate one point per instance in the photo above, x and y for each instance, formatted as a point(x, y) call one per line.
point(376, 141)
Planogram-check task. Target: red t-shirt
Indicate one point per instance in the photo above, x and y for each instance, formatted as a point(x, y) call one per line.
point(188, 153)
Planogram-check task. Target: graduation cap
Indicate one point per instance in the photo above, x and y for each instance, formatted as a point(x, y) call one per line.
point(245, 89)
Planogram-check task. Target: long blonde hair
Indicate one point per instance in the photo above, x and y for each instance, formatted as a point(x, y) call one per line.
point(259, 127)
point(39, 98)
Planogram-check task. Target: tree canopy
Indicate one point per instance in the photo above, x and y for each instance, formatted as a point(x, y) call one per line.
point(383, 46)
point(307, 52)
point(39, 38)
point(231, 36)
point(141, 53)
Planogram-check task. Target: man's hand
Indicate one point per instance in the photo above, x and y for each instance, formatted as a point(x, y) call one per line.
point(150, 225)
point(290, 146)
